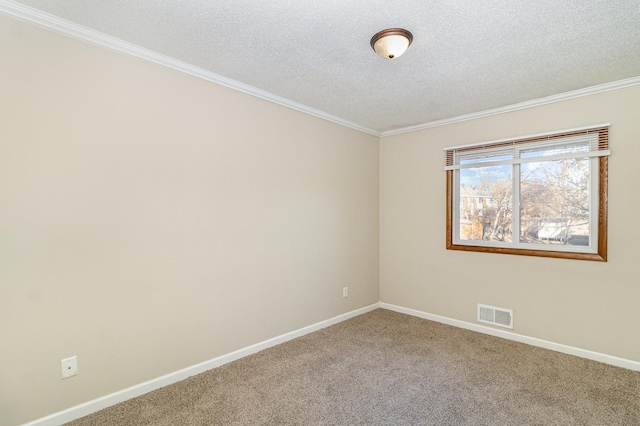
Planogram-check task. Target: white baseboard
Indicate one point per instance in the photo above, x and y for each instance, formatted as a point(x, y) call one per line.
point(583, 353)
point(142, 388)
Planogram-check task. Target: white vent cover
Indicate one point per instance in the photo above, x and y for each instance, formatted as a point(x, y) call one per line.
point(495, 316)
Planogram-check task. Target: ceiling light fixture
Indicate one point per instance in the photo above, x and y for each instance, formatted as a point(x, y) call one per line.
point(391, 43)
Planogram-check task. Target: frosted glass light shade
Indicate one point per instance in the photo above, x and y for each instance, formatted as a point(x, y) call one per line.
point(391, 43)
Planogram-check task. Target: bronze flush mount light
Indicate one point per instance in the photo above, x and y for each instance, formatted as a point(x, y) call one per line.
point(391, 43)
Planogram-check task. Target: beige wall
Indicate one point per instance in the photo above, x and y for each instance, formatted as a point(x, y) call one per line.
point(150, 220)
point(589, 305)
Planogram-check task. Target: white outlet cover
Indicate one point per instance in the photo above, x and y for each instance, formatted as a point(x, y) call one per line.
point(69, 367)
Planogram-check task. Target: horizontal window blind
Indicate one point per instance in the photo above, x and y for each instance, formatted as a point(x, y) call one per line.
point(590, 141)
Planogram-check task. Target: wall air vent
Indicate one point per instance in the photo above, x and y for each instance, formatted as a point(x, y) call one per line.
point(495, 316)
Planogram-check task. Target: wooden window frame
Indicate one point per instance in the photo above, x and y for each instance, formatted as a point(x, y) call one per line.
point(600, 255)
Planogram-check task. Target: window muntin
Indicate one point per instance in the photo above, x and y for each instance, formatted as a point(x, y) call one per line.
point(543, 196)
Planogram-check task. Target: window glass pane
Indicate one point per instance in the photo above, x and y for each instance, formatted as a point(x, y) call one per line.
point(554, 202)
point(485, 200)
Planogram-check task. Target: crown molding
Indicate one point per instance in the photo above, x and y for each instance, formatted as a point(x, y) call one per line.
point(620, 84)
point(46, 20)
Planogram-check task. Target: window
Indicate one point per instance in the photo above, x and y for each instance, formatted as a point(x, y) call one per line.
point(540, 195)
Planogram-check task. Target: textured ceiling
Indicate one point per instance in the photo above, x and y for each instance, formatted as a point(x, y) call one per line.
point(467, 56)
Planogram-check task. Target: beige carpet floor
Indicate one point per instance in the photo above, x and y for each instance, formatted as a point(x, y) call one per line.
point(386, 368)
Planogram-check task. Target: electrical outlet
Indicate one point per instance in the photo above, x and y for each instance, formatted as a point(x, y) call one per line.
point(345, 291)
point(69, 367)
